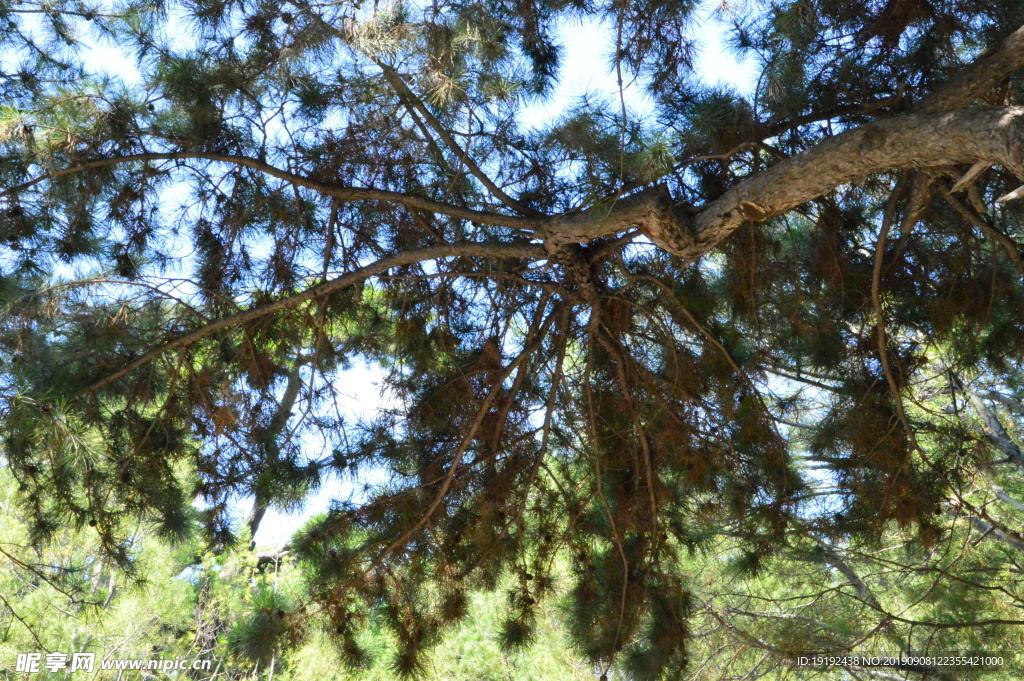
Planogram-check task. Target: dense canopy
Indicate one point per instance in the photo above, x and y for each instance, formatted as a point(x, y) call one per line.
point(788, 317)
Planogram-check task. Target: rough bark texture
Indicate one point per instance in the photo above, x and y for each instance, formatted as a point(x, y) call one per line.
point(934, 134)
point(995, 135)
point(910, 141)
point(938, 131)
point(650, 211)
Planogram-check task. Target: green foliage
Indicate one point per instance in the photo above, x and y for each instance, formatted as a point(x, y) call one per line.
point(265, 629)
point(193, 251)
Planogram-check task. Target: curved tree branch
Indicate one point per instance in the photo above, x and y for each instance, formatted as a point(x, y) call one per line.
point(484, 250)
point(342, 193)
point(909, 141)
point(995, 135)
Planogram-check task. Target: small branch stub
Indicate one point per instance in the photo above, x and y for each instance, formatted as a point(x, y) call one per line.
point(1015, 194)
point(977, 169)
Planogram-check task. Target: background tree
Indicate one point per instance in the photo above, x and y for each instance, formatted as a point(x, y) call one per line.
point(214, 608)
point(598, 333)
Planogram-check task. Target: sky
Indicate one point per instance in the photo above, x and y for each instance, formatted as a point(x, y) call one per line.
point(585, 68)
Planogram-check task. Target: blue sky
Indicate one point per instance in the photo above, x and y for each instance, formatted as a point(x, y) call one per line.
point(585, 69)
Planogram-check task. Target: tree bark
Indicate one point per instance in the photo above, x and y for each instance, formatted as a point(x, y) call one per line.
point(993, 429)
point(933, 135)
point(916, 140)
point(994, 135)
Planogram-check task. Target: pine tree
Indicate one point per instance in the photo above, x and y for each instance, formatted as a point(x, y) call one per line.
point(598, 333)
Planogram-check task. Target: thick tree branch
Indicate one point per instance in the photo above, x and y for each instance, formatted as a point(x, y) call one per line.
point(982, 521)
point(833, 558)
point(993, 427)
point(1013, 405)
point(995, 135)
point(987, 528)
point(648, 210)
point(908, 141)
point(922, 139)
point(1000, 494)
